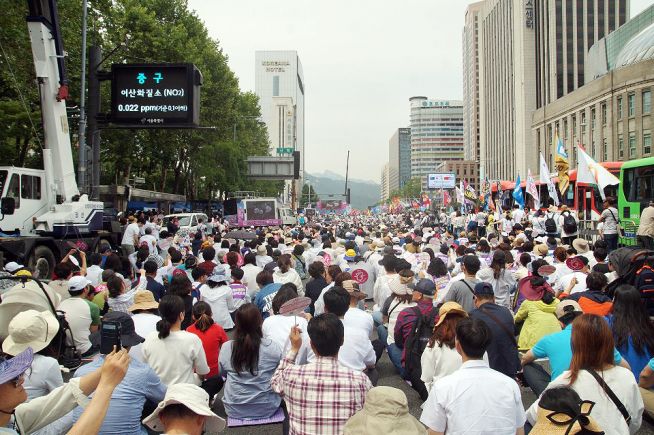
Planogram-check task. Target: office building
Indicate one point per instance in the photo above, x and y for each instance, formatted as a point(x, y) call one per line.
point(399, 158)
point(610, 116)
point(385, 186)
point(279, 84)
point(471, 82)
point(464, 170)
point(565, 30)
point(436, 134)
point(507, 82)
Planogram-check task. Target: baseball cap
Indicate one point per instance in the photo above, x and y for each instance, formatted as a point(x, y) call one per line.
point(12, 267)
point(195, 399)
point(78, 283)
point(12, 368)
point(484, 289)
point(567, 306)
point(424, 286)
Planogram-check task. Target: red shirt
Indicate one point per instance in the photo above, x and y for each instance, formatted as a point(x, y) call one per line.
point(212, 340)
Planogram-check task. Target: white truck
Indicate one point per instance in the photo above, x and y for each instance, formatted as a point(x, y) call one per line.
point(258, 212)
point(41, 210)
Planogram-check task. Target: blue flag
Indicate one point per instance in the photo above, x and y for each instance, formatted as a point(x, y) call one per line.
point(517, 193)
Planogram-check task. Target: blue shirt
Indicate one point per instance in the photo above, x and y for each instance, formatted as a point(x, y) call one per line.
point(250, 396)
point(637, 361)
point(558, 349)
point(264, 298)
point(124, 413)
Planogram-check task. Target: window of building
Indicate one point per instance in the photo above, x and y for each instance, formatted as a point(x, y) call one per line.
point(632, 144)
point(583, 122)
point(647, 142)
point(605, 150)
point(592, 119)
point(603, 113)
point(275, 86)
point(619, 108)
point(647, 101)
point(631, 104)
point(592, 150)
point(620, 146)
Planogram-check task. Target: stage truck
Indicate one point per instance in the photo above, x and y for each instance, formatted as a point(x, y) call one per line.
point(257, 212)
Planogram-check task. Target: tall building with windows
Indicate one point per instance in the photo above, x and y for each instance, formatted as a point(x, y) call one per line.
point(279, 84)
point(399, 158)
point(565, 30)
point(471, 82)
point(385, 185)
point(436, 134)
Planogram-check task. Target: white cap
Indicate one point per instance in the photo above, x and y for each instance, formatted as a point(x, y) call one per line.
point(195, 399)
point(78, 283)
point(12, 267)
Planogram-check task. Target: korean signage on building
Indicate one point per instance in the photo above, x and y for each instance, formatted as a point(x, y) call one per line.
point(529, 14)
point(165, 95)
point(275, 65)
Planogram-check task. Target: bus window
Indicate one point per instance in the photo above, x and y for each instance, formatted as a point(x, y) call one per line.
point(569, 197)
point(597, 198)
point(638, 184)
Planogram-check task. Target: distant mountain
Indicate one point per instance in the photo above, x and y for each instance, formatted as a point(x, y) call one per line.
point(364, 193)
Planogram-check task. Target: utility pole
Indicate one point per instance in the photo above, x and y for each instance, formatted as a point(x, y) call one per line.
point(81, 137)
point(95, 58)
point(347, 173)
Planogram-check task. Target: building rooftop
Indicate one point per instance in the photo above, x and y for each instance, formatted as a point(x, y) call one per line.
point(639, 48)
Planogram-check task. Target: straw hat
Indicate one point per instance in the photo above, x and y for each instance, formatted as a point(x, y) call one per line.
point(144, 300)
point(398, 288)
point(553, 423)
point(447, 308)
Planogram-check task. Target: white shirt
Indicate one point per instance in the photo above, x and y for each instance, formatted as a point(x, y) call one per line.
point(175, 358)
point(319, 306)
point(579, 287)
point(131, 231)
point(151, 241)
point(44, 376)
point(222, 303)
point(250, 273)
point(289, 276)
point(438, 362)
point(277, 328)
point(393, 315)
point(262, 260)
point(475, 399)
point(605, 413)
point(356, 352)
point(78, 315)
point(144, 325)
point(562, 219)
point(359, 319)
point(382, 290)
point(94, 274)
point(518, 215)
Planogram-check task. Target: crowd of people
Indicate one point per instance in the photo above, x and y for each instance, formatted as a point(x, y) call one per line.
point(471, 309)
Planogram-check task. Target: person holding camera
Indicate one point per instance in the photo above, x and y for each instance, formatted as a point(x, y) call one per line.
point(141, 383)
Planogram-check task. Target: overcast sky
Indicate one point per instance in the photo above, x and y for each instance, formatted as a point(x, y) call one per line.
point(362, 60)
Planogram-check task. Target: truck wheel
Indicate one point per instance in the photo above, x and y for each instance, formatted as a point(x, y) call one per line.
point(42, 262)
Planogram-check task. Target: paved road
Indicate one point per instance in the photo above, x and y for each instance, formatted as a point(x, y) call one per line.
point(387, 376)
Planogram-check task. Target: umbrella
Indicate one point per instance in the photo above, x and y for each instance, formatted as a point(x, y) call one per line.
point(243, 235)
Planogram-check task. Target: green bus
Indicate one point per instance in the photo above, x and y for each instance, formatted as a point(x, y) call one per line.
point(635, 192)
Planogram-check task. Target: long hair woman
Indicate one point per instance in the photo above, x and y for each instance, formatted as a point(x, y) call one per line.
point(286, 273)
point(592, 365)
point(249, 361)
point(503, 280)
point(176, 356)
point(632, 328)
point(440, 358)
point(181, 286)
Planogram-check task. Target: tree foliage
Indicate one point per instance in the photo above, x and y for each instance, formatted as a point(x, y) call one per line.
point(199, 163)
point(309, 196)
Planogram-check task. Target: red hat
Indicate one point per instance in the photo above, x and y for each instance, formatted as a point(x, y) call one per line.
point(576, 263)
point(532, 292)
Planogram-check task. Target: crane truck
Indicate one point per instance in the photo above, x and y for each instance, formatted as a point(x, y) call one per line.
point(41, 210)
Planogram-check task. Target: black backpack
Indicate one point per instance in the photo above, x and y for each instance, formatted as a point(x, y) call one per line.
point(569, 223)
point(415, 345)
point(550, 224)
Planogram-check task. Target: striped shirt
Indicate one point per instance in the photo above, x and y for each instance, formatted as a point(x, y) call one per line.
point(320, 396)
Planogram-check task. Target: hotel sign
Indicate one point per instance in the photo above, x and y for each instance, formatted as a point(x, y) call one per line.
point(275, 65)
point(529, 14)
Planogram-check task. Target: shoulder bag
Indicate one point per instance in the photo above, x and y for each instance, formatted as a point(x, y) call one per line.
point(609, 392)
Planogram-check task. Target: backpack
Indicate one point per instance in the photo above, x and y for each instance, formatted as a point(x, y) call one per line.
point(644, 281)
point(550, 224)
point(569, 223)
point(415, 345)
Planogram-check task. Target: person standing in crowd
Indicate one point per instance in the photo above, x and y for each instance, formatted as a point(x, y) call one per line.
point(594, 376)
point(248, 362)
point(176, 356)
point(502, 348)
point(140, 383)
point(131, 237)
point(569, 224)
point(322, 395)
point(495, 399)
point(610, 219)
point(645, 232)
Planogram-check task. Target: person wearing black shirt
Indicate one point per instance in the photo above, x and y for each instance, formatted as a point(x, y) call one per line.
point(318, 282)
point(503, 349)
